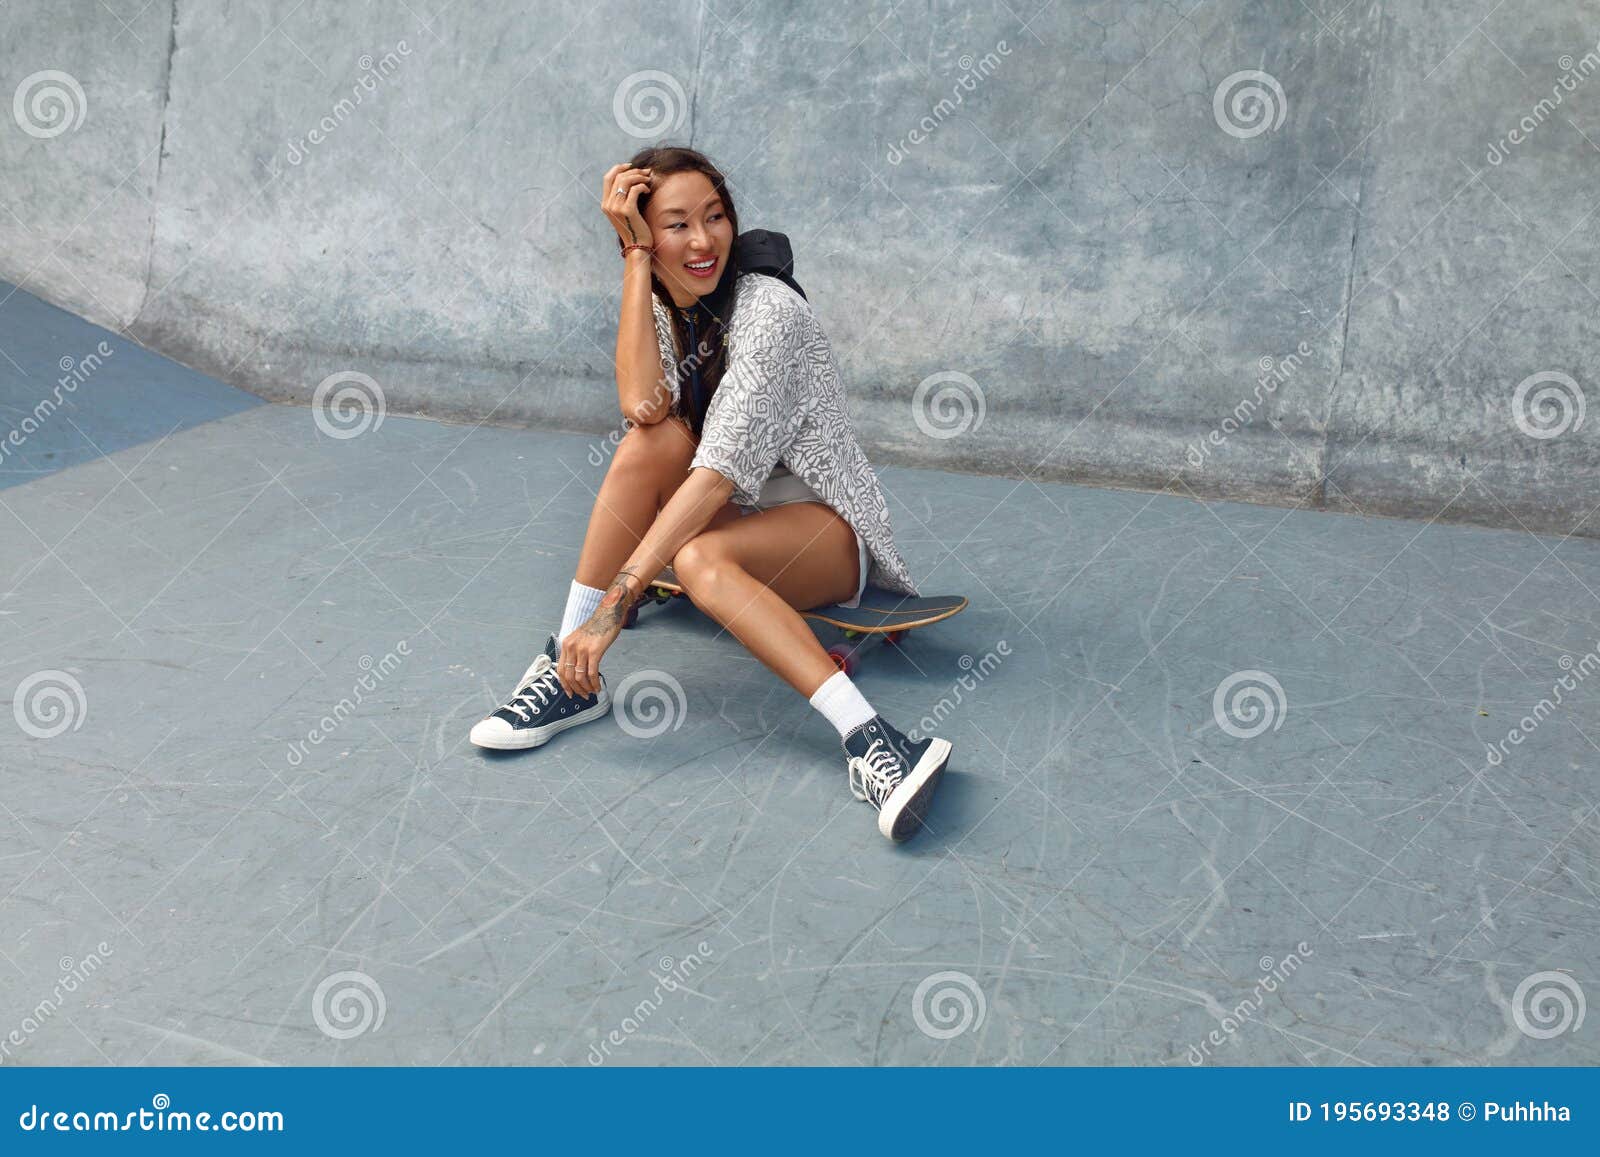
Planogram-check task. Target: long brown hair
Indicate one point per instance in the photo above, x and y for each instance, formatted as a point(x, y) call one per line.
point(713, 352)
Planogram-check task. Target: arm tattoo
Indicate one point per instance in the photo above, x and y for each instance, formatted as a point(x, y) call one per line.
point(613, 608)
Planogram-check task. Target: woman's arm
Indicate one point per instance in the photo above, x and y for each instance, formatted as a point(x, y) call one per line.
point(686, 514)
point(641, 392)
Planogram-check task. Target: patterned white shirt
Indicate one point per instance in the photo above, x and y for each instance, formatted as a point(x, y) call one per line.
point(781, 401)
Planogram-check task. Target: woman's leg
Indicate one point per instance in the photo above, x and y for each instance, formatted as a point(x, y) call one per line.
point(649, 465)
point(755, 574)
point(651, 462)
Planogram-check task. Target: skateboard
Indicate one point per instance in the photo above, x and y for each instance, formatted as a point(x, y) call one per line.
point(882, 615)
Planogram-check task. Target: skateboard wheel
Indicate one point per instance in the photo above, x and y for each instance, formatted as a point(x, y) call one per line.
point(849, 634)
point(842, 659)
point(893, 637)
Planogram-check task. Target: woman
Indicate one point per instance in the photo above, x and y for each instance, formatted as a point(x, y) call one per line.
point(740, 468)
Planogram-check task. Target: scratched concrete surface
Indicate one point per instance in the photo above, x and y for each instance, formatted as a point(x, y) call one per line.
point(213, 863)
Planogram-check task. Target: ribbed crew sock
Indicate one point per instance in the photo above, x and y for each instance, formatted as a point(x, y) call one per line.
point(581, 603)
point(845, 706)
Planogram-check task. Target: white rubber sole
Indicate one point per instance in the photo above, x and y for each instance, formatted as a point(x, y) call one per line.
point(537, 737)
point(901, 814)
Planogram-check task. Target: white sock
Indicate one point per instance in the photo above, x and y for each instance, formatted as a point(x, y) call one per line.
point(845, 707)
point(581, 603)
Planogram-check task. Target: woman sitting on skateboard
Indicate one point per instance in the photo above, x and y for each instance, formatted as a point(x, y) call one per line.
point(740, 468)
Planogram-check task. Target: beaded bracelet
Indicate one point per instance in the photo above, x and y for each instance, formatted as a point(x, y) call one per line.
point(636, 245)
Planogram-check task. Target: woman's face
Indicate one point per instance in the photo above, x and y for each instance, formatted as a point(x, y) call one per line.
point(692, 235)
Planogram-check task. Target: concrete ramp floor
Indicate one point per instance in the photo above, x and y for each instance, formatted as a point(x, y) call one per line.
point(1231, 784)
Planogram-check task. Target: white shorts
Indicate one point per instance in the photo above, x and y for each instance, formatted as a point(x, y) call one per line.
point(861, 543)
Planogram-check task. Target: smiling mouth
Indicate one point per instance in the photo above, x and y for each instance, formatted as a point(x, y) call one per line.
point(702, 268)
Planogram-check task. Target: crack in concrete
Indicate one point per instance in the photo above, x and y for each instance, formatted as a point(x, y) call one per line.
point(699, 55)
point(161, 153)
point(1319, 494)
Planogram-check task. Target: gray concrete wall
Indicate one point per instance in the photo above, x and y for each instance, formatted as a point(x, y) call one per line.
point(1142, 282)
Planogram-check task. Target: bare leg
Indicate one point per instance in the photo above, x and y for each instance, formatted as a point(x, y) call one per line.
point(650, 463)
point(754, 574)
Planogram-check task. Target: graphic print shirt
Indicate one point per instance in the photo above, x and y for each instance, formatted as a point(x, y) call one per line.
point(781, 401)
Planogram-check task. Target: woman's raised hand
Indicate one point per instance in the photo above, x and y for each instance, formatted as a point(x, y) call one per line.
point(619, 197)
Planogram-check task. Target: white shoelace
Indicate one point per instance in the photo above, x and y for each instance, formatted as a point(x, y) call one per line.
point(874, 775)
point(538, 687)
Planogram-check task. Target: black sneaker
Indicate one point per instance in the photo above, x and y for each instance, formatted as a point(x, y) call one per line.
point(893, 774)
point(540, 708)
